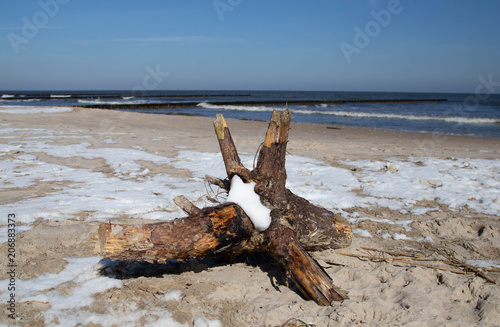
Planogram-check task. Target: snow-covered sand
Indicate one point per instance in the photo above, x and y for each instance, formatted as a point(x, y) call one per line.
point(62, 172)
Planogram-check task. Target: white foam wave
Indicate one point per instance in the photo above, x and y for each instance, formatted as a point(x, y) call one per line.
point(33, 110)
point(60, 95)
point(8, 97)
point(451, 119)
point(207, 105)
point(97, 101)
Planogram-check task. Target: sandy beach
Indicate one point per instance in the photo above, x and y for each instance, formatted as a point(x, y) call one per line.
point(413, 195)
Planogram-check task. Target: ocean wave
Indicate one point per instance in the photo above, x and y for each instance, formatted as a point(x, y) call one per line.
point(12, 98)
point(207, 105)
point(127, 98)
point(60, 95)
point(97, 101)
point(450, 119)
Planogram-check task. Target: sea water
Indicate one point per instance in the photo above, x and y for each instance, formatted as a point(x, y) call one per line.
point(440, 113)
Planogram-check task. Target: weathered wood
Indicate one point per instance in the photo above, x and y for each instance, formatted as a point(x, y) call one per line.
point(297, 225)
point(316, 228)
point(223, 184)
point(270, 172)
point(210, 231)
point(230, 155)
point(300, 268)
point(186, 205)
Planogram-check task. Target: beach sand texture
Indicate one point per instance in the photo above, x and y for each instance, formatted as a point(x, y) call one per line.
point(65, 171)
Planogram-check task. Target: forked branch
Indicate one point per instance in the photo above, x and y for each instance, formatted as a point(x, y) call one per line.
point(296, 224)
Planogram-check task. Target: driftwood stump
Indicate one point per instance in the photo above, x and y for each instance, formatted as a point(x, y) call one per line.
point(296, 225)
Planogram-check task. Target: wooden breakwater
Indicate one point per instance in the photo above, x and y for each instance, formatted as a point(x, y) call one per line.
point(282, 103)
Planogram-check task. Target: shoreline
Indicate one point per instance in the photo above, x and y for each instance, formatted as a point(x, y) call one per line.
point(317, 141)
point(330, 126)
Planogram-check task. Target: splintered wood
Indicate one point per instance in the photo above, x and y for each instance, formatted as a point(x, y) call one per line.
point(296, 224)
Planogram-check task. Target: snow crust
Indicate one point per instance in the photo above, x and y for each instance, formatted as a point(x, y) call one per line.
point(243, 194)
point(457, 183)
point(128, 187)
point(361, 232)
point(205, 322)
point(484, 263)
point(64, 307)
point(173, 296)
point(75, 307)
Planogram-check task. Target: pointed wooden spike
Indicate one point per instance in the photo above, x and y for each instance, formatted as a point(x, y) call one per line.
point(220, 125)
point(277, 132)
point(273, 129)
point(286, 119)
point(228, 149)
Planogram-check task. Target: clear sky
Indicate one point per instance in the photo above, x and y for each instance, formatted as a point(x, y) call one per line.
point(331, 45)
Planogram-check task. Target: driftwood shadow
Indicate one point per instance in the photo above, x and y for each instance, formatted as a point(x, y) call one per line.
point(127, 269)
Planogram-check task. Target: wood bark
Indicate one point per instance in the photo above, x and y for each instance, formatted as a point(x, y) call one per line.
point(316, 228)
point(297, 225)
point(210, 231)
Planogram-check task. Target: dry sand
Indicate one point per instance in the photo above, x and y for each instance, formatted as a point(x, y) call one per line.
point(252, 292)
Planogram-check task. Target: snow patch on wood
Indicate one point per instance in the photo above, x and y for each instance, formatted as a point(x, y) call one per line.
point(243, 194)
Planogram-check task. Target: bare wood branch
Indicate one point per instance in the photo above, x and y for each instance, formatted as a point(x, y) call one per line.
point(186, 205)
point(450, 261)
point(270, 171)
point(471, 269)
point(228, 149)
point(223, 184)
point(311, 280)
point(402, 261)
point(410, 255)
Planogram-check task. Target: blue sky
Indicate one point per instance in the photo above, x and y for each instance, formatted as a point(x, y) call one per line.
point(331, 45)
